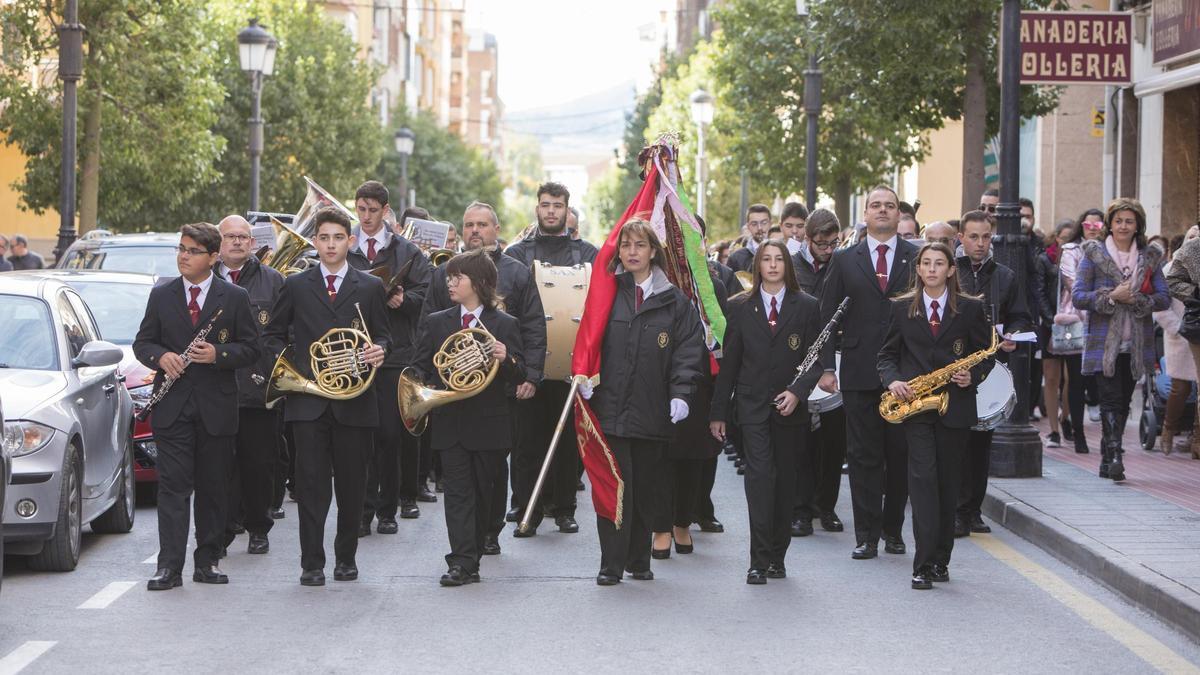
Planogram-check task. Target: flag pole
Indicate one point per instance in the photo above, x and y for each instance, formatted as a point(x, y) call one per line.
point(523, 528)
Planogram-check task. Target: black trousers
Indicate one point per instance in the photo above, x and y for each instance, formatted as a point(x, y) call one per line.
point(1091, 389)
point(469, 478)
point(1075, 383)
point(284, 474)
point(499, 493)
point(257, 453)
point(827, 454)
point(934, 455)
point(974, 470)
point(772, 452)
point(629, 547)
point(703, 508)
point(190, 460)
point(327, 450)
point(382, 494)
point(878, 458)
point(538, 416)
point(1116, 392)
point(677, 492)
point(1035, 384)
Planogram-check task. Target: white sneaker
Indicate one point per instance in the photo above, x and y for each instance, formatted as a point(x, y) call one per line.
point(1035, 415)
point(1053, 440)
point(1094, 413)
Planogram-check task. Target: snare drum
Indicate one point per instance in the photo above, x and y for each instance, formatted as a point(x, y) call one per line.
point(995, 398)
point(563, 291)
point(821, 401)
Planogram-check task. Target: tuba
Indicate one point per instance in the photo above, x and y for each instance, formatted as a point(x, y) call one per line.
point(339, 367)
point(288, 257)
point(924, 399)
point(465, 365)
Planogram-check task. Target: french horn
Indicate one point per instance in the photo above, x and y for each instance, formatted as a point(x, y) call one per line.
point(465, 365)
point(339, 366)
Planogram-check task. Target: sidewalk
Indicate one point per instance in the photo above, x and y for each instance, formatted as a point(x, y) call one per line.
point(1140, 538)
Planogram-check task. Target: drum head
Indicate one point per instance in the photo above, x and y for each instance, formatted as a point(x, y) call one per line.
point(563, 291)
point(819, 400)
point(995, 398)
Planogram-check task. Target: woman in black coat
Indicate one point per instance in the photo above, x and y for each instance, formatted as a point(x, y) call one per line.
point(768, 333)
point(649, 360)
point(931, 327)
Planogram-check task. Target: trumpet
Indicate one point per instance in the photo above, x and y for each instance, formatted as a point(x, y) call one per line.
point(465, 365)
point(924, 387)
point(338, 362)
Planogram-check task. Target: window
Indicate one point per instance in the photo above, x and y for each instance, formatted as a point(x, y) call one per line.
point(71, 325)
point(26, 334)
point(90, 330)
point(117, 308)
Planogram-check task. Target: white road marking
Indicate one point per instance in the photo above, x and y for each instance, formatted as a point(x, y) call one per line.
point(151, 560)
point(24, 655)
point(107, 595)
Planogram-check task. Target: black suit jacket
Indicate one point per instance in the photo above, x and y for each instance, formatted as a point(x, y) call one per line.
point(402, 321)
point(741, 260)
point(480, 422)
point(262, 285)
point(759, 364)
point(910, 350)
point(167, 327)
point(303, 307)
point(852, 274)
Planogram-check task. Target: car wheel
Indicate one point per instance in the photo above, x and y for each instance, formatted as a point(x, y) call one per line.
point(118, 519)
point(61, 553)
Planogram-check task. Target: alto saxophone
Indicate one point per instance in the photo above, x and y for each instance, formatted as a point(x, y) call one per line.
point(924, 387)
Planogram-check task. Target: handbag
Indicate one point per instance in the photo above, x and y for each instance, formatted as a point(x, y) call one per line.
point(1068, 339)
point(1189, 325)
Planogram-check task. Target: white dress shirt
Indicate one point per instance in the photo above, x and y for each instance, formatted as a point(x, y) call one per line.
point(463, 311)
point(766, 299)
point(873, 246)
point(340, 274)
point(382, 237)
point(204, 286)
point(647, 287)
point(941, 301)
point(226, 272)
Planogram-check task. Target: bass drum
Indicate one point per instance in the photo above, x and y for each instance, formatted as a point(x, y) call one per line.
point(821, 401)
point(563, 291)
point(995, 398)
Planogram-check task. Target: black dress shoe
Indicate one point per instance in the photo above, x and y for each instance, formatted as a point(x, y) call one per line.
point(865, 551)
point(831, 523)
point(756, 576)
point(513, 515)
point(312, 578)
point(209, 575)
point(523, 534)
point(961, 529)
point(894, 545)
point(713, 525)
point(684, 549)
point(741, 471)
point(642, 575)
point(164, 580)
point(424, 494)
point(237, 528)
point(939, 573)
point(603, 579)
point(439, 486)
point(387, 526)
point(776, 571)
point(802, 527)
point(409, 509)
point(291, 495)
point(660, 554)
point(978, 526)
point(491, 545)
point(345, 572)
point(456, 576)
point(364, 529)
point(259, 544)
point(922, 580)
point(566, 524)
point(278, 514)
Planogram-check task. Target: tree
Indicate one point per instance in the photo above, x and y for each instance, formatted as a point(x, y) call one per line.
point(523, 172)
point(148, 99)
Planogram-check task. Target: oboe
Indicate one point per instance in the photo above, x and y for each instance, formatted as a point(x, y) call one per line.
point(815, 350)
point(161, 392)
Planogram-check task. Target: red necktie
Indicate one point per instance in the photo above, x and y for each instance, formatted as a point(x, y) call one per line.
point(881, 270)
point(193, 306)
point(332, 289)
point(935, 321)
point(370, 250)
point(773, 317)
point(467, 319)
point(234, 274)
point(638, 299)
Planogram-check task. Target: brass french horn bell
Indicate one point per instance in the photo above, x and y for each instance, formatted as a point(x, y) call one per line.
point(465, 365)
point(340, 371)
point(290, 247)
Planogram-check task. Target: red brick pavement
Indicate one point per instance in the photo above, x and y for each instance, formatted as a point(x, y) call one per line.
point(1174, 478)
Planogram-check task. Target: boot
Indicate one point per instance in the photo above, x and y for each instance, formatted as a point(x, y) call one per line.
point(1081, 444)
point(1107, 423)
point(1174, 410)
point(1116, 468)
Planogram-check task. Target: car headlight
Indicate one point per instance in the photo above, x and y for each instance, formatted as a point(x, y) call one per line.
point(141, 396)
point(22, 437)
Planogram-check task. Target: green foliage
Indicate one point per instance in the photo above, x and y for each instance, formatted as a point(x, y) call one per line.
point(523, 172)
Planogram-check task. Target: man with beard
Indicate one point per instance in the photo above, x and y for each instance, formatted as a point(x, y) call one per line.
point(758, 222)
point(515, 286)
point(552, 244)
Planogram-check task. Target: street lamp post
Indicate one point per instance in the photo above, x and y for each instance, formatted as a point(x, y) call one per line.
point(406, 140)
point(1016, 446)
point(702, 116)
point(70, 69)
point(812, 110)
point(256, 52)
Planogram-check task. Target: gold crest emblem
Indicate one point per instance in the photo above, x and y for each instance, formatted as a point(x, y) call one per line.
point(264, 317)
point(663, 339)
point(958, 347)
point(794, 341)
point(223, 336)
point(356, 324)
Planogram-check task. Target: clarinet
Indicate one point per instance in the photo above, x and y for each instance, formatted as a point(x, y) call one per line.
point(815, 350)
point(161, 392)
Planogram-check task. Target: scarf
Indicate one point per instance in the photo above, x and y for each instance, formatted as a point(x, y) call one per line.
point(1052, 252)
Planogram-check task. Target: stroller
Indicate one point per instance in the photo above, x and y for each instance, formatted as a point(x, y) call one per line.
point(1155, 389)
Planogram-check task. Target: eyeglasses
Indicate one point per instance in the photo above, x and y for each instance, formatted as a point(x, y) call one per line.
point(184, 250)
point(990, 208)
point(1093, 226)
point(816, 243)
point(236, 237)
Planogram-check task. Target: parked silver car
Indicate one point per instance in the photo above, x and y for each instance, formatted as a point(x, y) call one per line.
point(67, 425)
point(5, 472)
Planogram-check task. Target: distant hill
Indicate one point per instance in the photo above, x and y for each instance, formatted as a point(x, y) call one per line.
point(590, 126)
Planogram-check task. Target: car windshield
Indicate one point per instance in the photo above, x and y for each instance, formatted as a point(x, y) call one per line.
point(158, 260)
point(26, 334)
point(118, 307)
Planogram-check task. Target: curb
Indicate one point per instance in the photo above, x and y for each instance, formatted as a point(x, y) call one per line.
point(1161, 597)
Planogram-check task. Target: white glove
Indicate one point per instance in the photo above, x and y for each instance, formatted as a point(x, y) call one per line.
point(679, 410)
point(585, 390)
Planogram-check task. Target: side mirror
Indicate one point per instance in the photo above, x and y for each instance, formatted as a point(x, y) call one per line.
point(98, 353)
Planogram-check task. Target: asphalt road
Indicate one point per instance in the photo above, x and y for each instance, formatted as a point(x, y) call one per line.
point(1008, 608)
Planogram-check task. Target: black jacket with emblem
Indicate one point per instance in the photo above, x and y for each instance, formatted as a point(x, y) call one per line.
point(808, 276)
point(402, 322)
point(648, 358)
point(997, 285)
point(262, 284)
point(758, 364)
point(558, 250)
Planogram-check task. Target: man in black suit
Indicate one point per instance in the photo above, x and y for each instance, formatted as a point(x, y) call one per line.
point(758, 223)
point(392, 471)
point(258, 439)
point(196, 422)
point(519, 297)
point(877, 268)
point(334, 438)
